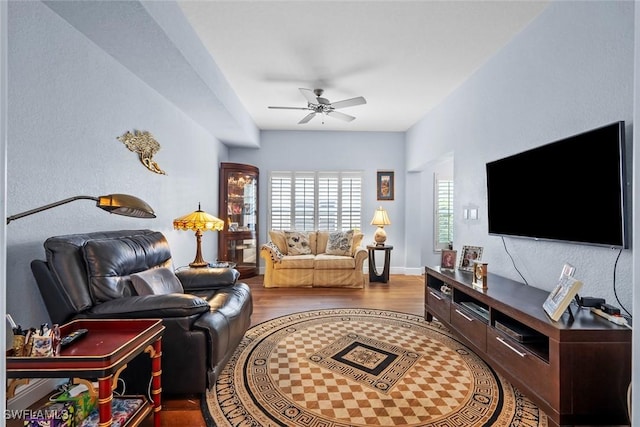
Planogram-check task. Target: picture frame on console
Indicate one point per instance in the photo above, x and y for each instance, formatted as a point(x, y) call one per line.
point(385, 185)
point(468, 256)
point(448, 259)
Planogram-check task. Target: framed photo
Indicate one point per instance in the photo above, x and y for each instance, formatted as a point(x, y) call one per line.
point(567, 270)
point(384, 185)
point(448, 259)
point(480, 274)
point(468, 256)
point(560, 297)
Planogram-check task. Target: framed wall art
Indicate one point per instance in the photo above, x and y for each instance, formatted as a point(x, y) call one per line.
point(384, 185)
point(468, 256)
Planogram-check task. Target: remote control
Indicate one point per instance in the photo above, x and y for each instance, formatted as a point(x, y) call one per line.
point(73, 336)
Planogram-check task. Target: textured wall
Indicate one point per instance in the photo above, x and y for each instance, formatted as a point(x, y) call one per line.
point(569, 71)
point(68, 100)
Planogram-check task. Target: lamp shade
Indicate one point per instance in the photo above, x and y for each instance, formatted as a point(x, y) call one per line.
point(124, 204)
point(198, 221)
point(119, 204)
point(380, 217)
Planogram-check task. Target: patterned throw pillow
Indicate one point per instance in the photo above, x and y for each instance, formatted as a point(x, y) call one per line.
point(297, 243)
point(274, 252)
point(339, 243)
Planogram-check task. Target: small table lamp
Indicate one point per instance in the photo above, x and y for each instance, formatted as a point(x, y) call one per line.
point(198, 221)
point(380, 218)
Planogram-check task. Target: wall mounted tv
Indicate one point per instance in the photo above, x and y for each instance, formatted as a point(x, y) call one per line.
point(571, 190)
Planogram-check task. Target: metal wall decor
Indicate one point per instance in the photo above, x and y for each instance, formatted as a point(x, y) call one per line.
point(143, 143)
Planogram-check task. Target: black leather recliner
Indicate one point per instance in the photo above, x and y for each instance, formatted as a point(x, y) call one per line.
point(87, 276)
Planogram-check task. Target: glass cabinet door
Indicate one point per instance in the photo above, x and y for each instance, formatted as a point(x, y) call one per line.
point(239, 209)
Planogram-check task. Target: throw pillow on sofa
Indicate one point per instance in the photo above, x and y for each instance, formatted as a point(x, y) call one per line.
point(297, 243)
point(156, 281)
point(280, 240)
point(274, 252)
point(339, 243)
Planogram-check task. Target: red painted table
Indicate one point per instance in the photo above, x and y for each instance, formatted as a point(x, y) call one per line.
point(103, 353)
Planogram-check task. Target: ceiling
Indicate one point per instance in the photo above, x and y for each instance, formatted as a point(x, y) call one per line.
point(404, 57)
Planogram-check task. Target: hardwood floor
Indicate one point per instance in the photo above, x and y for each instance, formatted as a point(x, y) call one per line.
point(401, 293)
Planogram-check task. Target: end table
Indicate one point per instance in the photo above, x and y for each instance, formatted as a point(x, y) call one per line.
point(373, 272)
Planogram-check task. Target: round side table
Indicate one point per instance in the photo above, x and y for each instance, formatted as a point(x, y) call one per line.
point(373, 272)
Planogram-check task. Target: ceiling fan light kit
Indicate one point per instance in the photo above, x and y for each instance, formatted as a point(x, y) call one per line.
point(319, 105)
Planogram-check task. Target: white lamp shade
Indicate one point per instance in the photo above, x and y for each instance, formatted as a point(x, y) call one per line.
point(380, 217)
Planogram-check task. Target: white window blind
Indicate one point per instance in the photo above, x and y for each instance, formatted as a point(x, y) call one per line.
point(315, 200)
point(443, 202)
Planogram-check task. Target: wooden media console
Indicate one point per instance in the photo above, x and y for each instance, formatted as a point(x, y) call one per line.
point(576, 370)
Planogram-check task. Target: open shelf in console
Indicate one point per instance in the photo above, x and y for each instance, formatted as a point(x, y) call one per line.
point(439, 286)
point(471, 305)
point(523, 335)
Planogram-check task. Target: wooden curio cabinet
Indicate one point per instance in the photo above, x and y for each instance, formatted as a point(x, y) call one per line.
point(238, 241)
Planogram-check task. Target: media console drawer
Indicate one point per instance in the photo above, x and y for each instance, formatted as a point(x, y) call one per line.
point(471, 327)
point(520, 361)
point(439, 305)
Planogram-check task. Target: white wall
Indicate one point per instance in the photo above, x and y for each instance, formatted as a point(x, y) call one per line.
point(68, 100)
point(312, 150)
point(569, 71)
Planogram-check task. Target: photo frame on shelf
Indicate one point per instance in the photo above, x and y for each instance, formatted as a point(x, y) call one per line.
point(567, 270)
point(561, 296)
point(468, 256)
point(385, 185)
point(480, 273)
point(448, 259)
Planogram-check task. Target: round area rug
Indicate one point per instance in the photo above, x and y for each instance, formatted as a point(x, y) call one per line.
point(359, 367)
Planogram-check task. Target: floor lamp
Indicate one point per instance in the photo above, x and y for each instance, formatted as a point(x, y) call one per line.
point(119, 204)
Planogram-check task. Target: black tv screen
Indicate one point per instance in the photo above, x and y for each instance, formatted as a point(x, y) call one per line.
point(571, 190)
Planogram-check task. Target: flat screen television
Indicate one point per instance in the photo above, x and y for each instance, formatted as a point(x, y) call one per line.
point(571, 190)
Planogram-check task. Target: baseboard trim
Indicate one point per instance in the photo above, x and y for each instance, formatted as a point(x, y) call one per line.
point(35, 390)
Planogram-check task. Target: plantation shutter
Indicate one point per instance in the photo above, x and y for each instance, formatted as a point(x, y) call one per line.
point(281, 185)
point(308, 201)
point(304, 201)
point(351, 206)
point(443, 195)
point(328, 201)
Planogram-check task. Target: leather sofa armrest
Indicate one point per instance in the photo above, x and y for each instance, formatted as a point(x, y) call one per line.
point(194, 279)
point(149, 306)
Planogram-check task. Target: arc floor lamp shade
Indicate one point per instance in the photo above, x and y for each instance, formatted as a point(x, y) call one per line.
point(198, 221)
point(119, 204)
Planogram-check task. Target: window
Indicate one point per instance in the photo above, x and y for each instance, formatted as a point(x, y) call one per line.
point(315, 200)
point(443, 215)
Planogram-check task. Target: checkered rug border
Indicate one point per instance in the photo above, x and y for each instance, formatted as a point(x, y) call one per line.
point(357, 367)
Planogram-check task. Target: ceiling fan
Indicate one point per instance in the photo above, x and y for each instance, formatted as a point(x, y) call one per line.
point(319, 105)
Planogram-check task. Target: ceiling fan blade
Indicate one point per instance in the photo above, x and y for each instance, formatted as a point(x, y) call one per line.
point(349, 102)
point(307, 118)
point(289, 108)
point(309, 95)
point(341, 116)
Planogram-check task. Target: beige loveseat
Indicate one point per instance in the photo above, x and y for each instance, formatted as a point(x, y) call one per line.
point(314, 258)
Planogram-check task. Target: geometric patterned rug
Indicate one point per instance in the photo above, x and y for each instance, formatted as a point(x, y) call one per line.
point(360, 367)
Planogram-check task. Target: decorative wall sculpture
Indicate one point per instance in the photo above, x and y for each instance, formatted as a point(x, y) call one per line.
point(143, 143)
